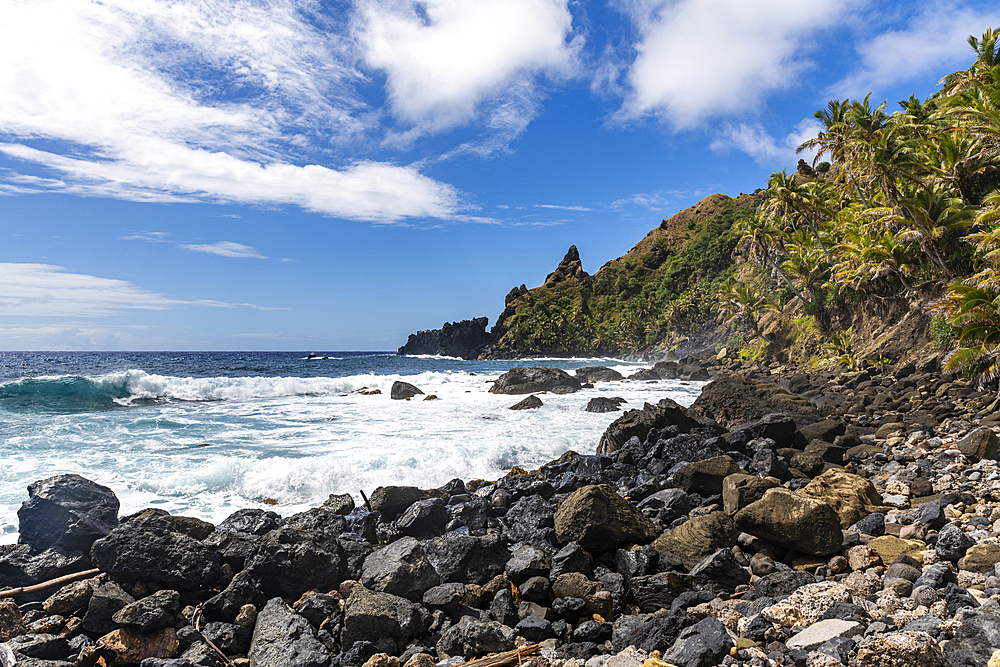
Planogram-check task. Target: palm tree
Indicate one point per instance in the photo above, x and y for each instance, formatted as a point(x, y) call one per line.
point(793, 201)
point(761, 238)
point(987, 51)
point(746, 301)
point(931, 215)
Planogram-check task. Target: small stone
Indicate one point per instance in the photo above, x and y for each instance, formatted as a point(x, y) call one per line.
point(246, 616)
point(823, 631)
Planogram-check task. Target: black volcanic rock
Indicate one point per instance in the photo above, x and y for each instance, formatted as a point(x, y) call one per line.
point(465, 339)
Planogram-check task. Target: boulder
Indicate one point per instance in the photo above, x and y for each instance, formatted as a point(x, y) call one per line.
point(282, 638)
point(650, 632)
point(794, 521)
point(980, 444)
point(898, 649)
point(703, 644)
point(471, 637)
point(807, 604)
point(601, 520)
point(531, 520)
point(598, 374)
point(400, 568)
point(467, 558)
point(638, 423)
point(605, 404)
point(391, 501)
point(981, 558)
point(534, 380)
point(289, 562)
point(737, 399)
point(251, 521)
point(19, 566)
point(527, 561)
point(739, 490)
point(11, 623)
point(106, 601)
point(388, 621)
point(152, 612)
point(697, 538)
point(952, 543)
point(852, 497)
point(128, 646)
point(825, 430)
point(147, 548)
point(705, 477)
point(66, 511)
point(529, 403)
point(721, 571)
point(424, 518)
point(403, 390)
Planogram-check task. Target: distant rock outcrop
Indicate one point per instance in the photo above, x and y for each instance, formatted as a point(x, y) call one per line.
point(465, 339)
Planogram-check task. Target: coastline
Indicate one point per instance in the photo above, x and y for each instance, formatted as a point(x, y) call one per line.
point(588, 556)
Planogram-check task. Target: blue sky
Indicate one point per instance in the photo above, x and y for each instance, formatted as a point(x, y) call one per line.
point(334, 174)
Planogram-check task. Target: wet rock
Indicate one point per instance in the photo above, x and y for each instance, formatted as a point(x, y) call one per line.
point(66, 511)
point(403, 390)
point(703, 644)
point(597, 374)
point(400, 568)
point(282, 638)
point(470, 637)
point(898, 649)
point(697, 538)
point(705, 477)
point(793, 521)
point(605, 404)
point(251, 521)
point(340, 504)
point(534, 380)
point(391, 501)
point(148, 549)
point(638, 423)
point(528, 403)
point(601, 520)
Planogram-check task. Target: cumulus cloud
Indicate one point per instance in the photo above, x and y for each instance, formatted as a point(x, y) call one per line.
point(193, 101)
point(754, 140)
point(225, 249)
point(697, 59)
point(45, 290)
point(933, 40)
point(445, 61)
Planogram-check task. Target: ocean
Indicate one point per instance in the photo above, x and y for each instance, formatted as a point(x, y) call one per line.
point(206, 433)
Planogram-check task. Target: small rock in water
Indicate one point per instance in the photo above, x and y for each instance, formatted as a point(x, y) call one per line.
point(528, 403)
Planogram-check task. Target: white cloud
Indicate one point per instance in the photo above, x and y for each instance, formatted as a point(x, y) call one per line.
point(654, 201)
point(225, 249)
point(148, 237)
point(193, 101)
point(768, 151)
point(446, 61)
point(44, 290)
point(698, 59)
point(934, 42)
point(564, 208)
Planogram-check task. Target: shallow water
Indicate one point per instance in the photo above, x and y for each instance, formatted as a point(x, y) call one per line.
point(205, 434)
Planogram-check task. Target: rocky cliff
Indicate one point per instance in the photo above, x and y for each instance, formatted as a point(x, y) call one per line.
point(465, 339)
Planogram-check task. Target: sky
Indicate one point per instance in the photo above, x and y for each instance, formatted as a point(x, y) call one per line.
point(326, 175)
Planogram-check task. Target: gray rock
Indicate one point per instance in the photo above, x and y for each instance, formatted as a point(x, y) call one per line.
point(602, 404)
point(152, 612)
point(650, 632)
point(467, 559)
point(282, 638)
point(981, 443)
point(403, 390)
point(601, 520)
point(527, 561)
point(703, 644)
point(400, 568)
point(597, 374)
point(470, 637)
point(638, 423)
point(531, 520)
point(721, 570)
point(529, 403)
point(952, 543)
point(388, 621)
point(66, 511)
point(251, 521)
point(105, 602)
point(533, 380)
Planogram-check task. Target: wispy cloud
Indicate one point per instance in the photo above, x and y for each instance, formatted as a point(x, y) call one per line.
point(44, 290)
point(654, 201)
point(225, 249)
point(699, 59)
point(754, 140)
point(564, 208)
point(148, 237)
point(933, 40)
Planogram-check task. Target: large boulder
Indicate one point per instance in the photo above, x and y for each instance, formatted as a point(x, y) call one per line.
point(391, 501)
point(531, 520)
point(388, 621)
point(535, 379)
point(793, 521)
point(737, 399)
point(467, 559)
point(290, 561)
point(650, 632)
point(601, 520)
point(146, 548)
point(66, 511)
point(638, 423)
point(282, 638)
point(852, 497)
point(898, 649)
point(740, 490)
point(980, 444)
point(597, 374)
point(697, 538)
point(706, 477)
point(403, 390)
point(703, 644)
point(400, 568)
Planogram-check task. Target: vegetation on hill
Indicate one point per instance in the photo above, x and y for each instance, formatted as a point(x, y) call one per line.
point(910, 201)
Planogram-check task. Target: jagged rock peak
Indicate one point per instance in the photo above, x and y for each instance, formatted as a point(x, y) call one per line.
point(569, 267)
point(572, 255)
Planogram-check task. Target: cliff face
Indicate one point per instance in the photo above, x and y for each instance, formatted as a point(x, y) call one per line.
point(662, 285)
point(465, 339)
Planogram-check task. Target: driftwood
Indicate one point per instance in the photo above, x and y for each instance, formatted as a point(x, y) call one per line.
point(13, 592)
point(504, 659)
point(196, 622)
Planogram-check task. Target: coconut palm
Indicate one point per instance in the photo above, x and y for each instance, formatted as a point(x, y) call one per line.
point(746, 301)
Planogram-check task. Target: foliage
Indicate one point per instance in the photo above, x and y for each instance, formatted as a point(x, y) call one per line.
point(943, 333)
point(841, 349)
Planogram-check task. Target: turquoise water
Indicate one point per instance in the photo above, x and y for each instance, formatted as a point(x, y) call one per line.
point(205, 434)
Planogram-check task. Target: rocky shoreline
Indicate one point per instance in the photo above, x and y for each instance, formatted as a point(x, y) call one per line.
point(815, 520)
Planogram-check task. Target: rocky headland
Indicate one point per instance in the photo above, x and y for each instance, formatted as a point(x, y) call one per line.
point(807, 519)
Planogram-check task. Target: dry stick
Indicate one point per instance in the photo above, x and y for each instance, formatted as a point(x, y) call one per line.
point(367, 504)
point(196, 623)
point(12, 592)
point(504, 659)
